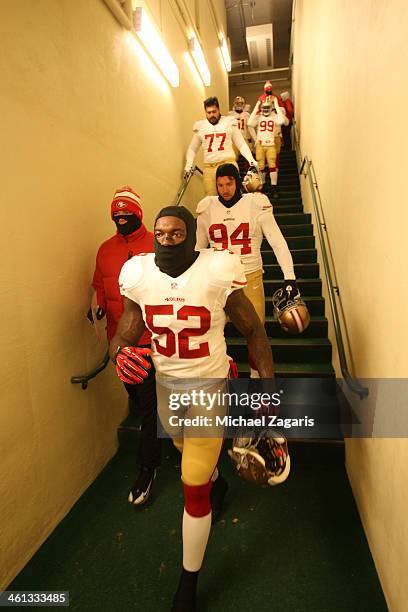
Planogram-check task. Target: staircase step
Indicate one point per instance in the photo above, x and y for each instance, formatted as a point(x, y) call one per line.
point(293, 218)
point(294, 242)
point(317, 329)
point(293, 370)
point(302, 270)
point(283, 209)
point(315, 305)
point(296, 230)
point(307, 286)
point(298, 256)
point(296, 349)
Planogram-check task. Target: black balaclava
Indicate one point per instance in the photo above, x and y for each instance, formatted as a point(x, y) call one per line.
point(230, 170)
point(132, 224)
point(174, 260)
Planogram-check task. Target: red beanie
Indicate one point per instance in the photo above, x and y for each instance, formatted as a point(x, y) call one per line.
point(126, 199)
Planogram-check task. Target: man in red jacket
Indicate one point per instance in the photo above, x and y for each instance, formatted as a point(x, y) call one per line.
point(130, 239)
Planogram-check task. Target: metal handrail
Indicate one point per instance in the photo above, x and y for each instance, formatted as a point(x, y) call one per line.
point(306, 168)
point(85, 378)
point(184, 185)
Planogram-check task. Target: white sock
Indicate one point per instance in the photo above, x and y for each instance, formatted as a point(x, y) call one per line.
point(254, 374)
point(215, 475)
point(274, 177)
point(195, 537)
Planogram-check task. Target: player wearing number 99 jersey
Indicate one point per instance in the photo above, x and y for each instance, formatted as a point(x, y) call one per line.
point(183, 297)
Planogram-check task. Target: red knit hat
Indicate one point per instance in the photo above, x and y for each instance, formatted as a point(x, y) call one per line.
point(267, 86)
point(126, 199)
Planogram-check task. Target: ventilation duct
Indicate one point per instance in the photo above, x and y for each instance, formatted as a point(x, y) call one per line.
point(260, 46)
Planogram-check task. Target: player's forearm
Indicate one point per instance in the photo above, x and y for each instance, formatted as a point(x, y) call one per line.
point(192, 151)
point(278, 244)
point(128, 333)
point(260, 352)
point(252, 132)
point(253, 119)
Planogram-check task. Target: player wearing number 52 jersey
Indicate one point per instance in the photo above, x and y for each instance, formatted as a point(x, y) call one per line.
point(216, 135)
point(183, 296)
point(239, 223)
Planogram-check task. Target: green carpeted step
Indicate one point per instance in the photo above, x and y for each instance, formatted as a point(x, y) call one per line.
point(314, 303)
point(287, 208)
point(302, 270)
point(294, 370)
point(292, 218)
point(307, 286)
point(294, 242)
point(295, 230)
point(298, 256)
point(296, 349)
point(317, 328)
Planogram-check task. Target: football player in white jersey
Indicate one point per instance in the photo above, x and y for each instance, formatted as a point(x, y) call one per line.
point(216, 135)
point(241, 117)
point(239, 223)
point(183, 297)
point(268, 136)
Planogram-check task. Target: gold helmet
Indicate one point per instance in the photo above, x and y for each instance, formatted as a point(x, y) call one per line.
point(293, 315)
point(238, 104)
point(267, 106)
point(262, 460)
point(252, 181)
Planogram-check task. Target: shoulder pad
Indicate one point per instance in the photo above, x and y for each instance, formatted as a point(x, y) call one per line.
point(261, 201)
point(132, 272)
point(223, 265)
point(204, 204)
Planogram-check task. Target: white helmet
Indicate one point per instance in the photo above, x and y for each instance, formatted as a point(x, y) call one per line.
point(261, 460)
point(238, 104)
point(266, 107)
point(252, 181)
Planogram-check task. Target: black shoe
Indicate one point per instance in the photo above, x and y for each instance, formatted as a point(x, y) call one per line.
point(275, 193)
point(140, 491)
point(185, 598)
point(218, 492)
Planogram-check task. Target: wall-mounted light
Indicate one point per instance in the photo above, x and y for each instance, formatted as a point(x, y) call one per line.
point(154, 45)
point(225, 53)
point(198, 57)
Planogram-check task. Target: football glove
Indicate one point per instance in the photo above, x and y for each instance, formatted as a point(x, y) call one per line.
point(187, 173)
point(100, 313)
point(131, 366)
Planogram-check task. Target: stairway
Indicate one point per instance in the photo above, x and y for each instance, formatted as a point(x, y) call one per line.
point(310, 353)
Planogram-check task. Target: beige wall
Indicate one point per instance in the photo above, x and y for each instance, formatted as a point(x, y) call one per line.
point(83, 111)
point(351, 90)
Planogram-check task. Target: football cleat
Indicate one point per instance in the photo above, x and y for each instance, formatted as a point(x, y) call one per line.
point(252, 180)
point(261, 460)
point(292, 314)
point(140, 491)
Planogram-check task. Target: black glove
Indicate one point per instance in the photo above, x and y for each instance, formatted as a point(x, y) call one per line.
point(100, 313)
point(290, 291)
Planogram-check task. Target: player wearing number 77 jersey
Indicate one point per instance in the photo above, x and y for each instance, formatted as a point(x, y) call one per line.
point(239, 222)
point(215, 134)
point(183, 298)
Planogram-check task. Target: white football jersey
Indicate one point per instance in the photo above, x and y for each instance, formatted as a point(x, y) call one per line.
point(268, 128)
point(241, 120)
point(185, 315)
point(216, 139)
point(241, 229)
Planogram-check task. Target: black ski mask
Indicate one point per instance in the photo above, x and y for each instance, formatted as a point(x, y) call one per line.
point(230, 170)
point(174, 260)
point(132, 224)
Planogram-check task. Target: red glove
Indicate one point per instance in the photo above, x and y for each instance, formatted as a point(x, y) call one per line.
point(131, 367)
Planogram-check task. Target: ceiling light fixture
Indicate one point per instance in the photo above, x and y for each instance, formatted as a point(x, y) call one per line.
point(199, 59)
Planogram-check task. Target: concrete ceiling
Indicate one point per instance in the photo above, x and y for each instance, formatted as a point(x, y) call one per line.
point(245, 13)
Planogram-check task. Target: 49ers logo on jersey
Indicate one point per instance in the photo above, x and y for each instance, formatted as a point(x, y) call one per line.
point(179, 342)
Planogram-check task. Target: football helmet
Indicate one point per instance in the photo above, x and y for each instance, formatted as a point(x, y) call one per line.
point(262, 460)
point(239, 104)
point(266, 107)
point(292, 315)
point(252, 181)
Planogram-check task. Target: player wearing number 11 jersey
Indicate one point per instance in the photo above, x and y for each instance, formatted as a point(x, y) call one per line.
point(216, 135)
point(183, 297)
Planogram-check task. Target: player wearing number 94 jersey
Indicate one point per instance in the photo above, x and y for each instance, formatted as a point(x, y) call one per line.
point(183, 296)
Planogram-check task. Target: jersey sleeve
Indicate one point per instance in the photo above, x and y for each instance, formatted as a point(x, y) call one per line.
point(227, 271)
point(131, 278)
point(277, 242)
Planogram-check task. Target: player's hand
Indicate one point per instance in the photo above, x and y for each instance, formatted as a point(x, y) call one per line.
point(188, 172)
point(290, 290)
point(131, 366)
point(254, 167)
point(100, 313)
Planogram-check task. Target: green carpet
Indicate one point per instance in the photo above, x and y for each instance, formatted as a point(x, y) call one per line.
point(296, 547)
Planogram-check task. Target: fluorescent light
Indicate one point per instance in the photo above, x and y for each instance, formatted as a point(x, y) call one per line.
point(154, 45)
point(225, 54)
point(198, 56)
